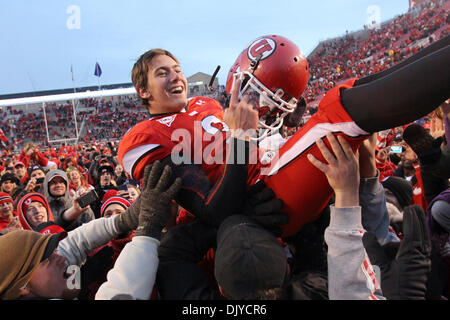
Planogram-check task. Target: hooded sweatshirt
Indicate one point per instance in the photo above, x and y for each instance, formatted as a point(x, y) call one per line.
point(58, 205)
point(21, 209)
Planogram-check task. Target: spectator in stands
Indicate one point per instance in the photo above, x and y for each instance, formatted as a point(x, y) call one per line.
point(21, 172)
point(34, 212)
point(9, 165)
point(37, 176)
point(77, 182)
point(31, 155)
point(432, 152)
point(11, 185)
point(133, 192)
point(106, 177)
point(119, 175)
point(8, 220)
point(105, 183)
point(65, 209)
point(409, 169)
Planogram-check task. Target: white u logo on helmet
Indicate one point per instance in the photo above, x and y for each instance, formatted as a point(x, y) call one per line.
point(263, 46)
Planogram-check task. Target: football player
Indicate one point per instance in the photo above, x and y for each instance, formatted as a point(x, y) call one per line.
point(275, 71)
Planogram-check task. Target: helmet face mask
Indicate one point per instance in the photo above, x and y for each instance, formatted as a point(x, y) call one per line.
point(271, 106)
point(274, 74)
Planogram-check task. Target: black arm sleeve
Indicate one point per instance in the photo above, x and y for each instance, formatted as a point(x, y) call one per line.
point(403, 93)
point(212, 204)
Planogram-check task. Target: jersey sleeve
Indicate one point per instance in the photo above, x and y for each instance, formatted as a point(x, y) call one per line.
point(142, 145)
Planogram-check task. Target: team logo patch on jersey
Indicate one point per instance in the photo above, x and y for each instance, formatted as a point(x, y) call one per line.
point(212, 125)
point(167, 120)
point(262, 46)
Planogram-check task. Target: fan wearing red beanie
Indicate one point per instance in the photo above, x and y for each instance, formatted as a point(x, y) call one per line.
point(8, 219)
point(35, 214)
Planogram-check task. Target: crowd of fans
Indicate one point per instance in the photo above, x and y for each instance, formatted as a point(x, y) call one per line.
point(61, 190)
point(376, 49)
point(41, 188)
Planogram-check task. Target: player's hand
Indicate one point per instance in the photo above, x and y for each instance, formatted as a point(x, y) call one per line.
point(262, 205)
point(241, 116)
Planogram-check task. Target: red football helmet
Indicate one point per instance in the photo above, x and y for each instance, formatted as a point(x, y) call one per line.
point(275, 69)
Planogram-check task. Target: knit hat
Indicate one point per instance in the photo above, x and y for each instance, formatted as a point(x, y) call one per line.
point(34, 168)
point(22, 252)
point(23, 204)
point(398, 137)
point(427, 148)
point(4, 197)
point(248, 258)
point(114, 200)
point(106, 167)
point(9, 177)
point(401, 188)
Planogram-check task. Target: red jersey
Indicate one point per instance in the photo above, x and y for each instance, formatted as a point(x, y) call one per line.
point(303, 188)
point(197, 135)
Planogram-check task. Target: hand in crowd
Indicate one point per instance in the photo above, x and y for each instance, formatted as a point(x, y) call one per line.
point(383, 154)
point(13, 225)
point(30, 151)
point(437, 127)
point(404, 275)
point(31, 185)
point(75, 211)
point(445, 109)
point(408, 153)
point(342, 170)
point(157, 193)
point(124, 194)
point(367, 165)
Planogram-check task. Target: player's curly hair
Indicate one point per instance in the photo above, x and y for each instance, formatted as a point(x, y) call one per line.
point(140, 69)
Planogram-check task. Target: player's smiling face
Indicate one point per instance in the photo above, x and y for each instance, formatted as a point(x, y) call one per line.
point(166, 87)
